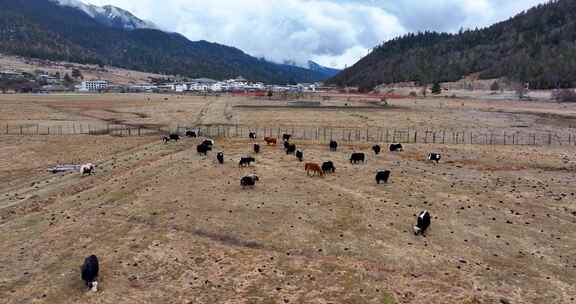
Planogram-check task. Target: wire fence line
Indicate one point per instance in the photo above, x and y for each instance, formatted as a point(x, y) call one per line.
point(317, 134)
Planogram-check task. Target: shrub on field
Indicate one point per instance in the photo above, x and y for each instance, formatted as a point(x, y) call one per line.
point(564, 95)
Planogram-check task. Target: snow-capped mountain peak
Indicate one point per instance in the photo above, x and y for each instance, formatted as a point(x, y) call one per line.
point(109, 15)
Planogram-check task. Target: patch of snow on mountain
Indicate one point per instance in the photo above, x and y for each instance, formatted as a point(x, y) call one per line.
point(109, 15)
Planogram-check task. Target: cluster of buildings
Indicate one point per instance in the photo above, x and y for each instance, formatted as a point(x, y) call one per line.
point(206, 85)
point(200, 85)
point(45, 82)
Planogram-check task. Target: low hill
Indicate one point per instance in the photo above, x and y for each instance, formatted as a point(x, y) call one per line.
point(112, 74)
point(536, 46)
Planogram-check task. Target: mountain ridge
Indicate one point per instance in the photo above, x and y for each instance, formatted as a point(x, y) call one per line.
point(46, 30)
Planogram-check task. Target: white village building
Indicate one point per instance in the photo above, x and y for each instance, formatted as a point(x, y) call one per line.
point(92, 85)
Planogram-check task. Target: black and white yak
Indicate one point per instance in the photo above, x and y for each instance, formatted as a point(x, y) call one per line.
point(357, 157)
point(382, 176)
point(220, 157)
point(252, 135)
point(249, 180)
point(300, 155)
point(328, 167)
point(422, 223)
point(434, 157)
point(333, 145)
point(377, 149)
point(87, 169)
point(396, 148)
point(208, 142)
point(245, 161)
point(89, 272)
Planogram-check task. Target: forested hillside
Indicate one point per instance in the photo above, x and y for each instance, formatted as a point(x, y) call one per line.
point(537, 46)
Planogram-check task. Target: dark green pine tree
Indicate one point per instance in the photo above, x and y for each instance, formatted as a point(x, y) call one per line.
point(436, 89)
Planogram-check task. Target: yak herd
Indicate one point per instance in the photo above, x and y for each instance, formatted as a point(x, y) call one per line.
point(90, 268)
point(312, 169)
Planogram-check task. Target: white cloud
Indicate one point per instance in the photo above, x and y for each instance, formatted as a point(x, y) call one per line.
point(331, 32)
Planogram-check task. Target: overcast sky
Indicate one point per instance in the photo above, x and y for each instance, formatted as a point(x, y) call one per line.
point(331, 32)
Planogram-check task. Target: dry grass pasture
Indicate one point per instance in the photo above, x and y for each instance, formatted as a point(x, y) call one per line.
point(171, 226)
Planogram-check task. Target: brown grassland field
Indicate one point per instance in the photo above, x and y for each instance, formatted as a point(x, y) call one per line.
point(171, 226)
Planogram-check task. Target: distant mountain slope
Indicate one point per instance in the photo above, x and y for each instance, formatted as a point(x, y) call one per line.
point(538, 46)
point(329, 72)
point(44, 29)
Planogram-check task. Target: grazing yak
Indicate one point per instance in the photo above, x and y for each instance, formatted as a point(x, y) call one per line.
point(203, 149)
point(396, 148)
point(245, 161)
point(191, 134)
point(270, 140)
point(286, 137)
point(249, 180)
point(422, 223)
point(328, 167)
point(291, 149)
point(382, 176)
point(300, 155)
point(314, 168)
point(256, 148)
point(171, 137)
point(434, 157)
point(376, 149)
point(220, 157)
point(333, 146)
point(357, 157)
point(89, 272)
point(252, 135)
point(87, 169)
